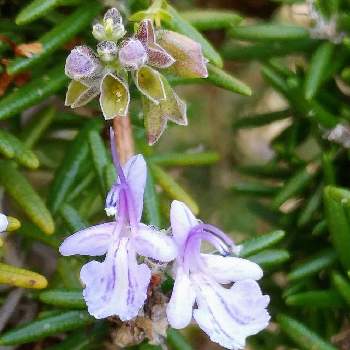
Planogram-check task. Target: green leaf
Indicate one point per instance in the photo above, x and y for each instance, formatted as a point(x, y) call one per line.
point(301, 335)
point(40, 329)
point(39, 8)
point(319, 64)
point(295, 185)
point(270, 257)
point(220, 78)
point(18, 187)
point(172, 188)
point(33, 92)
point(179, 24)
point(56, 37)
point(258, 243)
point(12, 147)
point(72, 218)
point(255, 189)
point(336, 201)
point(66, 298)
point(268, 32)
point(328, 299)
point(100, 158)
point(67, 173)
point(342, 285)
point(312, 205)
point(256, 121)
point(38, 126)
point(15, 276)
point(151, 201)
point(313, 265)
point(211, 19)
point(177, 341)
point(185, 159)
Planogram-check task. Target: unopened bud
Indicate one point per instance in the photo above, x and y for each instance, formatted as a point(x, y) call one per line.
point(107, 50)
point(132, 54)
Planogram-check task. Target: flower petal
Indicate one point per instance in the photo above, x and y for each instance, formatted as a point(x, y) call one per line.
point(182, 220)
point(179, 309)
point(3, 222)
point(82, 63)
point(228, 316)
point(132, 284)
point(145, 32)
point(115, 97)
point(158, 57)
point(226, 269)
point(79, 94)
point(156, 115)
point(189, 59)
point(154, 244)
point(149, 82)
point(132, 54)
point(92, 241)
point(135, 171)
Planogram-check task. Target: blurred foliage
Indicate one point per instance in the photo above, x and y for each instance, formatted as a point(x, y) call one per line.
point(55, 166)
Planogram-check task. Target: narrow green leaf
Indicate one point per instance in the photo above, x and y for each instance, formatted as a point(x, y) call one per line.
point(269, 170)
point(319, 64)
point(270, 257)
point(18, 187)
point(56, 37)
point(68, 269)
point(185, 159)
point(268, 32)
point(37, 9)
point(311, 207)
point(82, 185)
point(211, 19)
point(100, 158)
point(301, 335)
point(37, 126)
point(342, 285)
point(179, 24)
point(295, 185)
point(172, 188)
point(12, 147)
point(33, 233)
point(40, 329)
point(256, 121)
point(72, 218)
point(15, 276)
point(328, 168)
point(258, 243)
point(328, 299)
point(254, 189)
point(66, 298)
point(320, 228)
point(151, 201)
point(313, 265)
point(220, 78)
point(336, 201)
point(177, 341)
point(66, 174)
point(33, 92)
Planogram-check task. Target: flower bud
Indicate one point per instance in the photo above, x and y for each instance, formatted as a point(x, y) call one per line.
point(98, 32)
point(107, 50)
point(82, 63)
point(113, 25)
point(132, 54)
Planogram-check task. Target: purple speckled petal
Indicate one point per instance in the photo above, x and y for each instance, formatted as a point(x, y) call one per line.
point(179, 309)
point(227, 269)
point(92, 241)
point(182, 220)
point(132, 54)
point(158, 57)
point(145, 32)
point(154, 244)
point(114, 15)
point(82, 63)
point(229, 316)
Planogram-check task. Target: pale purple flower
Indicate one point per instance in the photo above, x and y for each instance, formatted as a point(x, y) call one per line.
point(107, 50)
point(118, 285)
point(142, 49)
point(228, 314)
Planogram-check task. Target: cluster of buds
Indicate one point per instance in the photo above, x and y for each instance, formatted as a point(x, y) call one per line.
point(140, 57)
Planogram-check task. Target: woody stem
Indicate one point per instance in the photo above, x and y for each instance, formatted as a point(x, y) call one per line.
point(124, 140)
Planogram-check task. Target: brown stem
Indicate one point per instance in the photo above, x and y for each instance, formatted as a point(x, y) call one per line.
point(123, 138)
